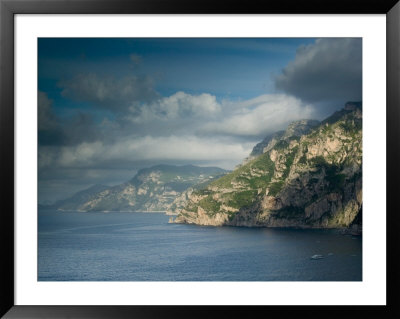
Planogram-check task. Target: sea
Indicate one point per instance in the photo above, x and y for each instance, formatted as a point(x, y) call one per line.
point(117, 246)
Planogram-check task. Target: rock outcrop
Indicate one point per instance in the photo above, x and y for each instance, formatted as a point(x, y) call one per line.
point(294, 130)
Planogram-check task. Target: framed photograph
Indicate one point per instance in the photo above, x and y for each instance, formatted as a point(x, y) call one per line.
point(173, 159)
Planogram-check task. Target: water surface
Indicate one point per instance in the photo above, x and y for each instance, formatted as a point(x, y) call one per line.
point(76, 246)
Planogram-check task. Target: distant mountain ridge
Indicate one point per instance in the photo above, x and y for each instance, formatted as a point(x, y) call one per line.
point(151, 189)
point(79, 198)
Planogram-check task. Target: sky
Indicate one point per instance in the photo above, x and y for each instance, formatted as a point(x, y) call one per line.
point(108, 107)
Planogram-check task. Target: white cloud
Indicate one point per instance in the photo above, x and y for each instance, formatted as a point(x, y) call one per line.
point(260, 116)
point(177, 106)
point(203, 115)
point(146, 148)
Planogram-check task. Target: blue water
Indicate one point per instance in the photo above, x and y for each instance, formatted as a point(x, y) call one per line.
point(144, 247)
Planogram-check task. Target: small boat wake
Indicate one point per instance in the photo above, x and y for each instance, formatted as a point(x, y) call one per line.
point(314, 257)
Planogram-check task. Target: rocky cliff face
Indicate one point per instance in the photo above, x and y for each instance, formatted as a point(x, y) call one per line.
point(294, 130)
point(152, 189)
point(311, 177)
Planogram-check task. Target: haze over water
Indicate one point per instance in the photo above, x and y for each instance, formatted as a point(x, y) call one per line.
point(76, 246)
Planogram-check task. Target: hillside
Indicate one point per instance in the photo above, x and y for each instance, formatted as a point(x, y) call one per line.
point(295, 129)
point(308, 179)
point(79, 198)
point(151, 189)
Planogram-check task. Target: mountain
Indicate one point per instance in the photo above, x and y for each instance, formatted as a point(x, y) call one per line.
point(151, 189)
point(306, 179)
point(294, 130)
point(180, 201)
point(80, 198)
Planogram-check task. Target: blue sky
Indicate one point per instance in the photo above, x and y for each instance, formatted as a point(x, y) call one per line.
point(234, 68)
point(108, 107)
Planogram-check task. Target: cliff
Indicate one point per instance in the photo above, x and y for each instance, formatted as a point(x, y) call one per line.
point(295, 129)
point(307, 178)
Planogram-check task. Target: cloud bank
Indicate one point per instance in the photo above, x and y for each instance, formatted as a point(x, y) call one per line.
point(182, 127)
point(328, 70)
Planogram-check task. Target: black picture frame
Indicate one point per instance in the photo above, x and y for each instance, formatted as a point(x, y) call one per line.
point(8, 9)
